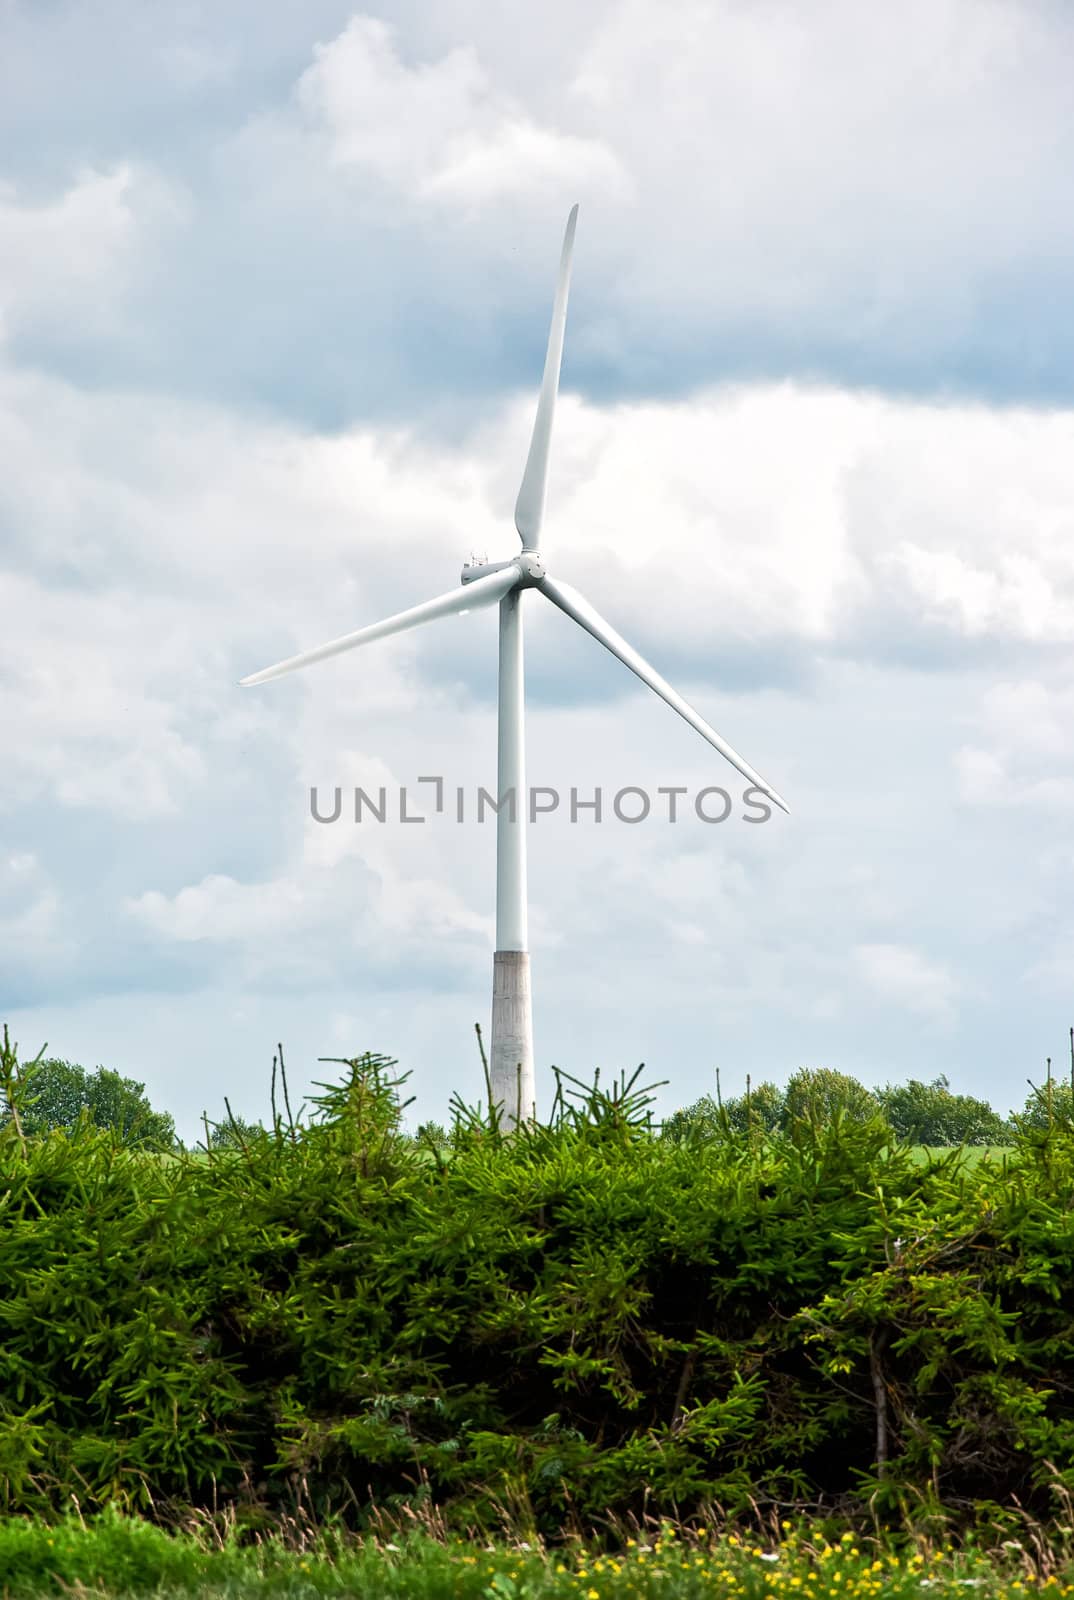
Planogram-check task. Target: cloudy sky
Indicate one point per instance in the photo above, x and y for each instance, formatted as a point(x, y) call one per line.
point(275, 282)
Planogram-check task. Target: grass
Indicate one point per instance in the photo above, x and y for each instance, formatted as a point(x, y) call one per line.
point(119, 1558)
point(971, 1153)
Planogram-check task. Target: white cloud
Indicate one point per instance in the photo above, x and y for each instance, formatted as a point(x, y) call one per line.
point(854, 158)
point(219, 908)
point(1030, 716)
point(985, 780)
point(1014, 599)
point(92, 715)
point(1052, 973)
point(439, 130)
point(1025, 758)
point(901, 976)
point(773, 507)
point(68, 262)
point(346, 888)
point(31, 922)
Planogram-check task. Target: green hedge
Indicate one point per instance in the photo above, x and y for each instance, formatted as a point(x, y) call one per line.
point(580, 1319)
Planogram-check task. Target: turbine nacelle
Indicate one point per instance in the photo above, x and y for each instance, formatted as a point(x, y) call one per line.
point(481, 569)
point(528, 565)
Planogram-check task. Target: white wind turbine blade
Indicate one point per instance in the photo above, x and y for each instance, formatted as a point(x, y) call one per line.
point(529, 507)
point(570, 601)
point(482, 592)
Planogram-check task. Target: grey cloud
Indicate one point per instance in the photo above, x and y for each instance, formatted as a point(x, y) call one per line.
point(862, 201)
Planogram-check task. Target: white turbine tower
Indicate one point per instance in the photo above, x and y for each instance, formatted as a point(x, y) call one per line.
point(504, 582)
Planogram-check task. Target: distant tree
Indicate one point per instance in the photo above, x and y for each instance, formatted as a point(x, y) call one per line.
point(762, 1109)
point(434, 1133)
point(230, 1134)
point(1036, 1113)
point(702, 1118)
point(920, 1113)
point(57, 1092)
point(54, 1093)
point(929, 1114)
point(821, 1091)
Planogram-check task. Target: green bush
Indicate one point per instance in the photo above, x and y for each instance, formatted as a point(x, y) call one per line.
point(577, 1320)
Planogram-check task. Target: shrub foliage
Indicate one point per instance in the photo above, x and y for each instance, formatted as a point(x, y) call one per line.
point(577, 1319)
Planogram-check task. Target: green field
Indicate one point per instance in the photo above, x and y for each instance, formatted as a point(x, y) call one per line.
point(971, 1153)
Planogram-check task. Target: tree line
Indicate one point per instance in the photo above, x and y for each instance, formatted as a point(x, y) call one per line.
point(918, 1112)
point(60, 1093)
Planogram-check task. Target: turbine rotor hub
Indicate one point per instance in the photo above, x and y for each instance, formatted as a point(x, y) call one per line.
point(531, 567)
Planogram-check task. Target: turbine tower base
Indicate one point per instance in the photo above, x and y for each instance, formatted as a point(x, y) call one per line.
point(511, 1071)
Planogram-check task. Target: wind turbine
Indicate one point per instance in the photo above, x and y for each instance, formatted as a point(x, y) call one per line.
point(504, 583)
